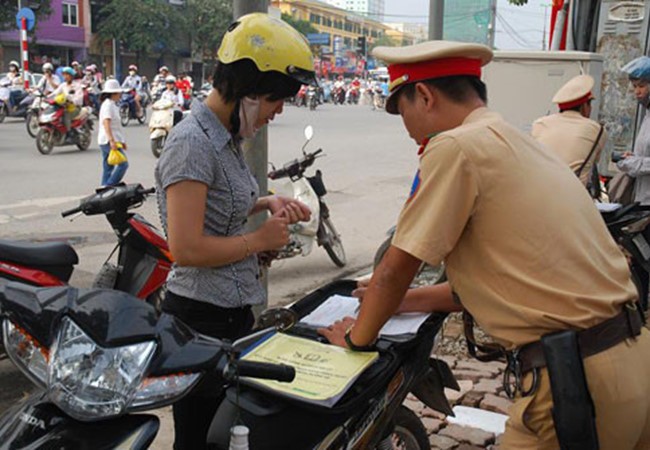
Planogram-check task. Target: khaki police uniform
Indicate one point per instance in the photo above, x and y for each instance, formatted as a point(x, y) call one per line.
point(568, 134)
point(528, 254)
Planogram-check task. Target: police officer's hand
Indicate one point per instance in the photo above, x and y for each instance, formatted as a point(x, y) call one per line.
point(360, 291)
point(274, 233)
point(335, 333)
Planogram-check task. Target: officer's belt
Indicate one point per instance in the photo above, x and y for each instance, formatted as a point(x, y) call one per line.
point(627, 324)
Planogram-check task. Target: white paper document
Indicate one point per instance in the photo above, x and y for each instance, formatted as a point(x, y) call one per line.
point(338, 306)
point(608, 207)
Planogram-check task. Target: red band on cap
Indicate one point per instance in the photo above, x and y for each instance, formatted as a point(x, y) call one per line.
point(437, 68)
point(574, 103)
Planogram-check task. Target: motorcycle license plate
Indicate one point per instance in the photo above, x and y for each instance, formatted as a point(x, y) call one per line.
point(642, 245)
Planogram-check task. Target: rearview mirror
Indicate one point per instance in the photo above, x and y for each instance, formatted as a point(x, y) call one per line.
point(309, 132)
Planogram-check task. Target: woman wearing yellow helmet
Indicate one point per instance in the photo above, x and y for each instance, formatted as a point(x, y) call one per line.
point(206, 192)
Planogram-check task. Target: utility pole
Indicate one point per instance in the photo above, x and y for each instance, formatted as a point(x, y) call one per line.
point(436, 19)
point(256, 150)
point(492, 24)
point(545, 6)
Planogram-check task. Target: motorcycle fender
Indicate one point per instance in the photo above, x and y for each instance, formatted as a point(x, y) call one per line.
point(35, 423)
point(430, 390)
point(157, 133)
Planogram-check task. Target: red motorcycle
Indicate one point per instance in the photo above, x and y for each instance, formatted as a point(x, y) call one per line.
point(143, 260)
point(53, 132)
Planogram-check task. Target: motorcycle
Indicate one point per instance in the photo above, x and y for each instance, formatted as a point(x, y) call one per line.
point(310, 190)
point(128, 108)
point(101, 358)
point(52, 130)
point(378, 99)
point(161, 123)
point(338, 95)
point(628, 225)
point(37, 105)
point(8, 110)
point(312, 97)
point(143, 259)
point(353, 95)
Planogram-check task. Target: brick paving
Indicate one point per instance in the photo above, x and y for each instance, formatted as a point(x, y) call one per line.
point(481, 387)
point(489, 396)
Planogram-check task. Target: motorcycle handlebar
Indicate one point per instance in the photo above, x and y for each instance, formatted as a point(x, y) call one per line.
point(279, 372)
point(70, 212)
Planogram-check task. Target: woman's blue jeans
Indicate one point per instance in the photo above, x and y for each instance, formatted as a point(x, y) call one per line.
point(111, 175)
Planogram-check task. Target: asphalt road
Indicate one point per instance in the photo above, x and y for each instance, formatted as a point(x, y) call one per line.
point(369, 165)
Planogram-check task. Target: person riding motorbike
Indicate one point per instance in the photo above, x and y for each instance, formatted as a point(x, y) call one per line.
point(17, 93)
point(184, 85)
point(175, 96)
point(134, 82)
point(206, 192)
point(159, 80)
point(71, 91)
point(92, 85)
point(49, 82)
point(78, 70)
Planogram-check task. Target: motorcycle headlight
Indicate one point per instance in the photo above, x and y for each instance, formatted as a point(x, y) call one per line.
point(25, 352)
point(90, 382)
point(159, 390)
point(46, 118)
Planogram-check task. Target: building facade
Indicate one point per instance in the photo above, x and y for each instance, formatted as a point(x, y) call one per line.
point(343, 28)
point(61, 38)
point(373, 9)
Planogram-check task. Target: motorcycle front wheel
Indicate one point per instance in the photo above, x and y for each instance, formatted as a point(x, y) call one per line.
point(143, 118)
point(31, 122)
point(332, 243)
point(157, 145)
point(409, 433)
point(84, 137)
point(45, 141)
point(3, 112)
point(125, 115)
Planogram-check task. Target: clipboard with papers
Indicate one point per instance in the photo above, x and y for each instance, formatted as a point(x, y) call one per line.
point(324, 372)
point(336, 307)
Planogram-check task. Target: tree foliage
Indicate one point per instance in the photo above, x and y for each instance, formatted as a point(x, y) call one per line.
point(383, 41)
point(303, 26)
point(9, 9)
point(206, 22)
point(141, 26)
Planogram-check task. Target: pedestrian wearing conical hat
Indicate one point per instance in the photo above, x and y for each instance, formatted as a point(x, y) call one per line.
point(526, 253)
point(570, 134)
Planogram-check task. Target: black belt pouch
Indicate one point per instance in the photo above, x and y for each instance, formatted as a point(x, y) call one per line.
point(573, 410)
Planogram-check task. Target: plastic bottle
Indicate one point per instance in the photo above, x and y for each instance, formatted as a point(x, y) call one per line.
point(239, 437)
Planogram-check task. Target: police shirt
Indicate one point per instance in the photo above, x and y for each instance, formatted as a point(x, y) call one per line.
point(525, 248)
point(570, 136)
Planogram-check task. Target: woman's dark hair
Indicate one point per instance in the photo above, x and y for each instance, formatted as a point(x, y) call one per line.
point(103, 96)
point(458, 89)
point(240, 79)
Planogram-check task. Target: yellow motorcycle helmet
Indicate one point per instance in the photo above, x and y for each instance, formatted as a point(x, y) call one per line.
point(272, 44)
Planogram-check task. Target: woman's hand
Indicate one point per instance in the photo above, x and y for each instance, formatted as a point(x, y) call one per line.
point(274, 233)
point(294, 210)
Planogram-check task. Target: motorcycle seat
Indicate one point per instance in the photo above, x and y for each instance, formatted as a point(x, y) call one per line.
point(40, 254)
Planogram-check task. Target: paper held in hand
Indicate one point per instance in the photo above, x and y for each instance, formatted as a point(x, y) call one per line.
point(338, 306)
point(323, 372)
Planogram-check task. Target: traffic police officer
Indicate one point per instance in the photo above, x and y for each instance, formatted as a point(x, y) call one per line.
point(526, 253)
point(571, 134)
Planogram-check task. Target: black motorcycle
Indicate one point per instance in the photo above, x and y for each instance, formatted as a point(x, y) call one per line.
point(102, 357)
